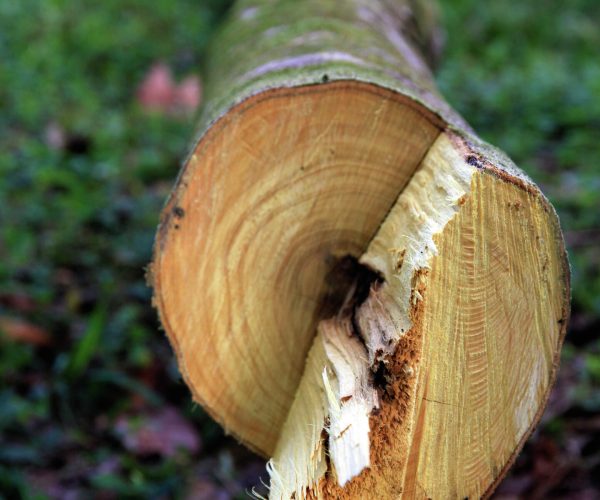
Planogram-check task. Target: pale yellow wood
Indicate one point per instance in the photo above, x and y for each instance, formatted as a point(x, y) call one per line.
point(299, 460)
point(329, 415)
point(491, 336)
point(468, 324)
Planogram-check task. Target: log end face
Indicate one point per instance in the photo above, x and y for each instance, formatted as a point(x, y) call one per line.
point(277, 192)
point(463, 338)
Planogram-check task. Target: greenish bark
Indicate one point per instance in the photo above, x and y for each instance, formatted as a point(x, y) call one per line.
point(393, 44)
point(267, 44)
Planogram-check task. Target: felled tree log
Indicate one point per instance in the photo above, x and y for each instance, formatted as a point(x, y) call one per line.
point(354, 283)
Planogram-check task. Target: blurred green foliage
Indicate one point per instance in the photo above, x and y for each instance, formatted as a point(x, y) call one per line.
point(77, 221)
point(77, 225)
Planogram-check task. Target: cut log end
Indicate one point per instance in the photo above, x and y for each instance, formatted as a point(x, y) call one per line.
point(291, 182)
point(434, 356)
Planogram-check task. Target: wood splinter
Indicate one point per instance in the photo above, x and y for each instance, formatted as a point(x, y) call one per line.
point(355, 285)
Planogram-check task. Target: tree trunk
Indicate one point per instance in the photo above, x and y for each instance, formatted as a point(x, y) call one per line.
point(354, 283)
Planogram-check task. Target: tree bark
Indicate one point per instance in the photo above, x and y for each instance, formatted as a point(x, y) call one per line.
point(354, 283)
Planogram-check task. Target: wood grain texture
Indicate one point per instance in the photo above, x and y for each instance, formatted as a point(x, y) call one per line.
point(468, 381)
point(495, 308)
point(272, 197)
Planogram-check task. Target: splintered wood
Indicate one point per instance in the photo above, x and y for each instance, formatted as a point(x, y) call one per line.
point(330, 412)
point(465, 328)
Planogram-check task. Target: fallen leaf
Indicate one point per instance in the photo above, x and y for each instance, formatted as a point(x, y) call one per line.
point(188, 94)
point(22, 331)
point(514, 486)
point(156, 92)
point(159, 93)
point(17, 301)
point(52, 485)
point(163, 432)
point(109, 465)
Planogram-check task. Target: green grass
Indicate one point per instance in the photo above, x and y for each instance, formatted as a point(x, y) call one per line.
point(77, 222)
point(77, 229)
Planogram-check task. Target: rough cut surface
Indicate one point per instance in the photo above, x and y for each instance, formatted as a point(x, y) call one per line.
point(470, 376)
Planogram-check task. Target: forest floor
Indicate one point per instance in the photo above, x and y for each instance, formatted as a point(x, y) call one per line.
point(97, 108)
